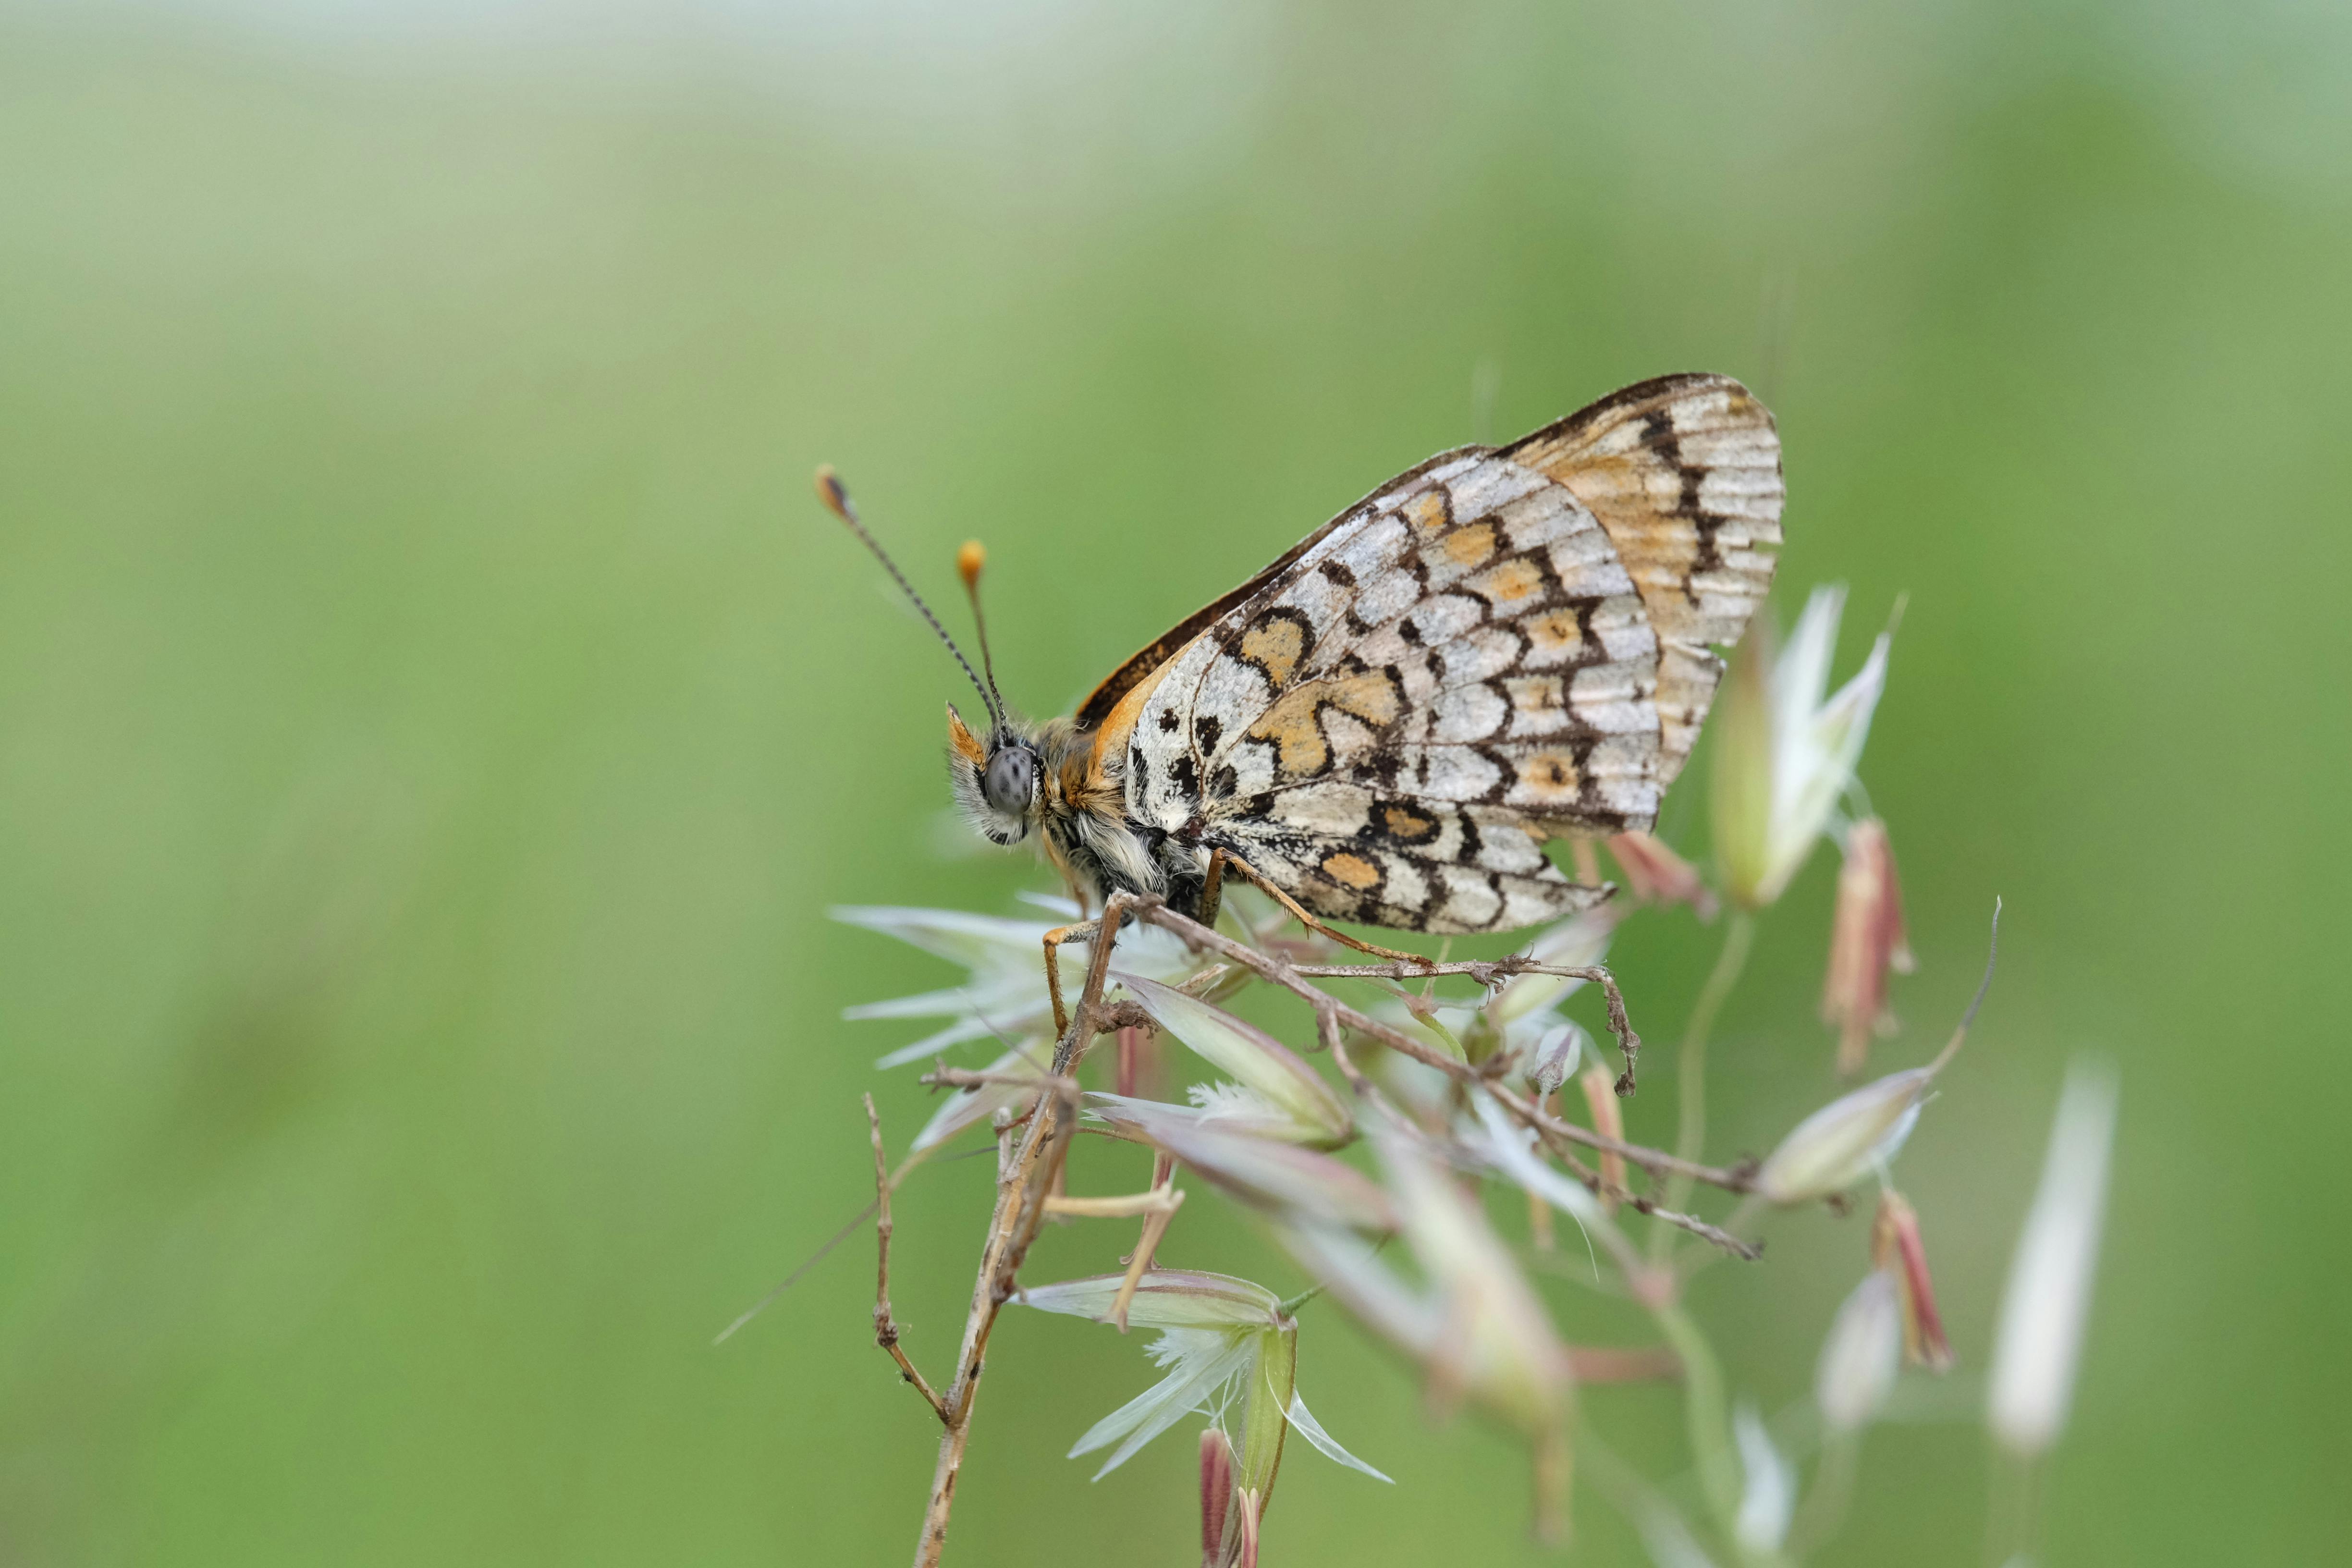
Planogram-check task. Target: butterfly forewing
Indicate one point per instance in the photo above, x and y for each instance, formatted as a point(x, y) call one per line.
point(1470, 661)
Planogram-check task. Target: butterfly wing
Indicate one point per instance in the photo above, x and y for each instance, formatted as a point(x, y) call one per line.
point(1460, 666)
point(1683, 475)
point(1151, 659)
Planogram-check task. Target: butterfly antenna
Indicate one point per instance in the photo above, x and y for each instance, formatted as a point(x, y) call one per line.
point(969, 561)
point(835, 495)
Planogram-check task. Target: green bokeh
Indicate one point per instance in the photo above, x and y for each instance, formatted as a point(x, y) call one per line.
point(434, 717)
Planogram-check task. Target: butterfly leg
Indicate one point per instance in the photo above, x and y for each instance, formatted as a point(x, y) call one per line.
point(1220, 859)
point(1212, 891)
point(1057, 938)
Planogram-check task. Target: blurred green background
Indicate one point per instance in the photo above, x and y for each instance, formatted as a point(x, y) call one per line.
point(435, 717)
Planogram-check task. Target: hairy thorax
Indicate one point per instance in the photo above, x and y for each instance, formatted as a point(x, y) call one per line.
point(1088, 835)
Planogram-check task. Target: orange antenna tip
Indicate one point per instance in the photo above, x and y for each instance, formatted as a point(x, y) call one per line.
point(969, 561)
point(830, 490)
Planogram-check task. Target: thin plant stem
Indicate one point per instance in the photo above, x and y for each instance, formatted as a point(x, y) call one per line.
point(1705, 1415)
point(1690, 1065)
point(886, 1326)
point(1023, 1178)
point(1824, 1508)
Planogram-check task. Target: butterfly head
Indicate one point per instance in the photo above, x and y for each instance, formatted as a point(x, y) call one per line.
point(998, 782)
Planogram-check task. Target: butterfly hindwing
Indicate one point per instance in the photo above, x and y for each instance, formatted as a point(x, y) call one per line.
point(1143, 664)
point(1379, 729)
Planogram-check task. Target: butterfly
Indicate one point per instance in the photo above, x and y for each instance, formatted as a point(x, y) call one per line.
point(1500, 646)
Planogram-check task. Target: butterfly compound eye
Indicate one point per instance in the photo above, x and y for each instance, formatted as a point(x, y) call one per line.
point(1011, 779)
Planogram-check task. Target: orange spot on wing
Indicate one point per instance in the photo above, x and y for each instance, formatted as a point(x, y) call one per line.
point(1404, 823)
point(1370, 696)
point(1514, 579)
point(1553, 632)
point(1350, 870)
point(1426, 511)
point(1275, 647)
point(1291, 724)
point(1549, 777)
point(1536, 693)
point(1471, 546)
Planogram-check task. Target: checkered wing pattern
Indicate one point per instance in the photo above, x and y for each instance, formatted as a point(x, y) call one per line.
point(1498, 647)
point(1683, 475)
